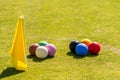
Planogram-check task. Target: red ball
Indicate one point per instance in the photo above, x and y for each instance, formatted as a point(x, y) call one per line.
point(32, 48)
point(94, 48)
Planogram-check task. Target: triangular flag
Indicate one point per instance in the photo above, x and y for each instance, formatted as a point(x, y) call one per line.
point(18, 52)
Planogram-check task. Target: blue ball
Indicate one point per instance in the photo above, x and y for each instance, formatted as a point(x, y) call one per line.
point(81, 49)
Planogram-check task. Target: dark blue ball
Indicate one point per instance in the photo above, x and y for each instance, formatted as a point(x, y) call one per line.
point(73, 44)
point(81, 49)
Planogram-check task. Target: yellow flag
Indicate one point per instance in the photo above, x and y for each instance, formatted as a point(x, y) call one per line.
point(17, 52)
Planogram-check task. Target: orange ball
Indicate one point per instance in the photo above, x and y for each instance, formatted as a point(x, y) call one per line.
point(86, 41)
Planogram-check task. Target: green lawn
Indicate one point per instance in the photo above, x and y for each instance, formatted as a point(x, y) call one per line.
point(58, 22)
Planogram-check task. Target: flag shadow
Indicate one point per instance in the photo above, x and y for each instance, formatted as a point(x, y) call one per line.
point(9, 72)
point(35, 59)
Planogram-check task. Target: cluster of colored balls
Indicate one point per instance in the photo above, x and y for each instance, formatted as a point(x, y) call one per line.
point(42, 49)
point(85, 46)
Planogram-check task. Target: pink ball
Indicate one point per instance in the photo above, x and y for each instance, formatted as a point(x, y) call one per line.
point(51, 49)
point(94, 48)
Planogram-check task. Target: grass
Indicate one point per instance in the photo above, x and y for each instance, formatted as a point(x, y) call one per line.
point(59, 22)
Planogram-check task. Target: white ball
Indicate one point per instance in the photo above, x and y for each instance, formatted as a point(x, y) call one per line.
point(41, 52)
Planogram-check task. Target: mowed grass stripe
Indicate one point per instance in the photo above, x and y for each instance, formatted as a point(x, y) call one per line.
point(59, 22)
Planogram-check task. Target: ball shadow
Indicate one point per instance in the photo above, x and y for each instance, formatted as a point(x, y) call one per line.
point(30, 56)
point(9, 72)
point(92, 55)
point(74, 55)
point(35, 59)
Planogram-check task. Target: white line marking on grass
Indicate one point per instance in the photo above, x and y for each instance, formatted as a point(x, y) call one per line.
point(112, 48)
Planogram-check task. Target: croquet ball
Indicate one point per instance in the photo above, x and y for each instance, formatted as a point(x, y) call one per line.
point(41, 52)
point(32, 48)
point(73, 44)
point(51, 49)
point(43, 43)
point(81, 49)
point(86, 41)
point(94, 47)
